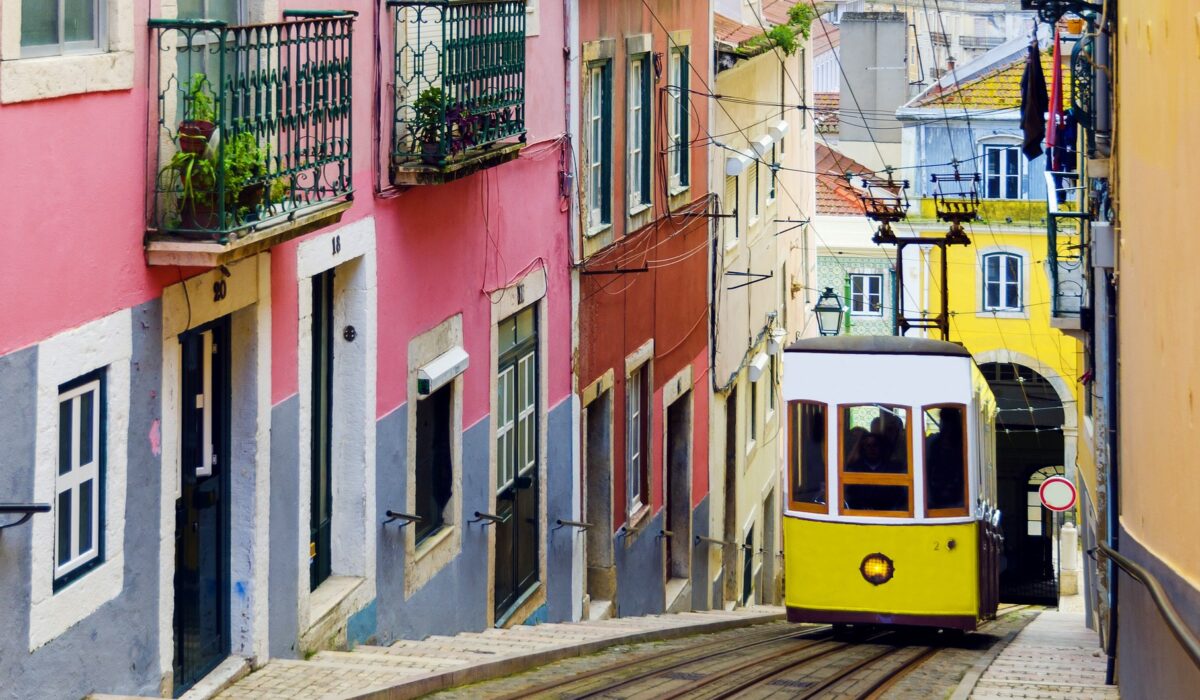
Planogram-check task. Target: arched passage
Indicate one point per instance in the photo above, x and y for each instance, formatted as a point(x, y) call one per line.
point(1030, 445)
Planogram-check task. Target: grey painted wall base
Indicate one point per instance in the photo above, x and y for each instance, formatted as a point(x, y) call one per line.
point(1151, 663)
point(639, 560)
point(700, 592)
point(283, 569)
point(120, 639)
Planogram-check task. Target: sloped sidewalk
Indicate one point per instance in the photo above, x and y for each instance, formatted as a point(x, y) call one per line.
point(408, 669)
point(1055, 656)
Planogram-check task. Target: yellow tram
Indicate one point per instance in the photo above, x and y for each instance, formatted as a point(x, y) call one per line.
point(890, 514)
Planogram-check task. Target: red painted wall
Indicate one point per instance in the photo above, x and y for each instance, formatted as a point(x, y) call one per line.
point(669, 301)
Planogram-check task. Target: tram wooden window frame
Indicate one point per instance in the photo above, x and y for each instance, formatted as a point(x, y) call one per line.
point(948, 512)
point(867, 479)
point(802, 506)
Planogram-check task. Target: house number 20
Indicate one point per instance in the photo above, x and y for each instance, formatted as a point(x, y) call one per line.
point(220, 290)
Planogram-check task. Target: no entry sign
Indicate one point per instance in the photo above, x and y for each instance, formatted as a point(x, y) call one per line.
point(1057, 494)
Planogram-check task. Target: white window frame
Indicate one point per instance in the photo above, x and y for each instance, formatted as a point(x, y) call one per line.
point(1007, 151)
point(64, 47)
point(861, 305)
point(56, 70)
point(755, 192)
point(731, 209)
point(637, 434)
point(597, 153)
point(636, 141)
point(752, 415)
point(677, 106)
point(1002, 281)
point(104, 343)
point(78, 473)
point(773, 174)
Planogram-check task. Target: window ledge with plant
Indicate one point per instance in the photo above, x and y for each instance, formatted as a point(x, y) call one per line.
point(254, 135)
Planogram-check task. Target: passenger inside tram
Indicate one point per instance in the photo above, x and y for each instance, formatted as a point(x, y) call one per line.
point(945, 472)
point(883, 449)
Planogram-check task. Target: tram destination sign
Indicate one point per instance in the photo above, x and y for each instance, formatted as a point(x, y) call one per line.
point(1057, 494)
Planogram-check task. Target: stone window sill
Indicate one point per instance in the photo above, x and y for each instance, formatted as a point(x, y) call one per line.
point(28, 79)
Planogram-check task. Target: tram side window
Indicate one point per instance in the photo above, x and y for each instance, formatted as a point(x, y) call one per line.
point(807, 473)
point(945, 460)
point(876, 474)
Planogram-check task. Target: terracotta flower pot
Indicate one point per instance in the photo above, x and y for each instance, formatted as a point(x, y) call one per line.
point(194, 135)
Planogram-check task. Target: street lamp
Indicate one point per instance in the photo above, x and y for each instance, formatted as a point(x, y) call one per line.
point(829, 312)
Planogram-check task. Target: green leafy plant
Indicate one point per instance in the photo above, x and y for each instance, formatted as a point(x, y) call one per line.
point(785, 37)
point(199, 99)
point(429, 123)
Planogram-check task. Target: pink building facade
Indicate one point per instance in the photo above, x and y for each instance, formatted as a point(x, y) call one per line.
point(322, 399)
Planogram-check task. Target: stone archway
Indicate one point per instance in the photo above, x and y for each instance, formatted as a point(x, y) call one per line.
point(1031, 438)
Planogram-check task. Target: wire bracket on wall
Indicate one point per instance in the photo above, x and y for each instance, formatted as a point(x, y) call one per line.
point(793, 224)
point(756, 277)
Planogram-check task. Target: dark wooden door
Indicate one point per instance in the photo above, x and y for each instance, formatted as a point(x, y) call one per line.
point(517, 462)
point(201, 620)
point(321, 503)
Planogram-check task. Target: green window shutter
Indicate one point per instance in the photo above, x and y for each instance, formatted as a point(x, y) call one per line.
point(685, 127)
point(647, 127)
point(606, 206)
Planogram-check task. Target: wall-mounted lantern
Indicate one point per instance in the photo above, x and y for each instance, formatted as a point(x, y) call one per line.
point(829, 312)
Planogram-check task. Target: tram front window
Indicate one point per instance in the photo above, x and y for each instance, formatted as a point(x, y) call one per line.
point(876, 469)
point(945, 460)
point(806, 468)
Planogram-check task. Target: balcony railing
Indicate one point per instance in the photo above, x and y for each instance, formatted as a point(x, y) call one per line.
point(1067, 250)
point(971, 41)
point(459, 100)
point(254, 124)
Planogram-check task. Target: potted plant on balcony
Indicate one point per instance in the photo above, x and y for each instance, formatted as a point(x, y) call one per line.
point(429, 124)
point(195, 132)
point(192, 178)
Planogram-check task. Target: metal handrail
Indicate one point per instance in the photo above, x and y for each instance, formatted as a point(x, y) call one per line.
point(574, 523)
point(25, 510)
point(406, 517)
point(1166, 608)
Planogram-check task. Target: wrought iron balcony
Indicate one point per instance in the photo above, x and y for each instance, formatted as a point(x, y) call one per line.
point(972, 41)
point(1067, 250)
point(253, 133)
point(459, 99)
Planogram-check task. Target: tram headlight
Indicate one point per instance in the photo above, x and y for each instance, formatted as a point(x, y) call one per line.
point(877, 568)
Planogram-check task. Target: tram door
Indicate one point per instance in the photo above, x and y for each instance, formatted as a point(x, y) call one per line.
point(201, 621)
point(517, 455)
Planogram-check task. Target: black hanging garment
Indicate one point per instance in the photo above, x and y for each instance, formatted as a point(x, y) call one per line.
point(1034, 103)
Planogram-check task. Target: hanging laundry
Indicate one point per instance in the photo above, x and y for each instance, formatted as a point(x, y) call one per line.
point(1034, 102)
point(1056, 100)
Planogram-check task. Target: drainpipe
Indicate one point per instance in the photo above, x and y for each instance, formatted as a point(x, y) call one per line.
point(569, 186)
point(1112, 403)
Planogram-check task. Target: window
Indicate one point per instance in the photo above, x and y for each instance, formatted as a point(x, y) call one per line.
point(748, 566)
point(55, 27)
point(599, 145)
point(876, 473)
point(1002, 282)
point(679, 117)
point(730, 205)
point(866, 295)
point(755, 193)
point(434, 469)
point(1001, 172)
point(638, 132)
point(807, 450)
point(637, 438)
point(773, 183)
point(773, 388)
point(79, 480)
point(752, 410)
point(945, 460)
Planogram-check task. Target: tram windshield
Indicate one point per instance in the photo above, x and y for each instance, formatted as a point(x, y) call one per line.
point(945, 459)
point(875, 458)
point(807, 460)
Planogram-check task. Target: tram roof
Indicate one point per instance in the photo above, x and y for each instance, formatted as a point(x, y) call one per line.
point(878, 345)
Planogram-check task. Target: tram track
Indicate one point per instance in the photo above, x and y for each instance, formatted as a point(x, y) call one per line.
point(691, 655)
point(812, 662)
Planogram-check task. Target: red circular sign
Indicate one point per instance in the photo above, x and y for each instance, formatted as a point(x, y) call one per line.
point(1057, 493)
